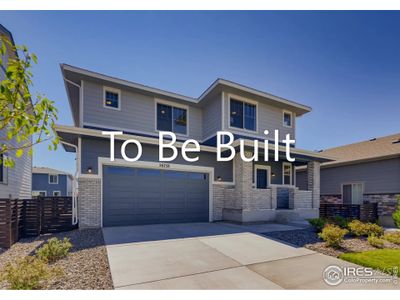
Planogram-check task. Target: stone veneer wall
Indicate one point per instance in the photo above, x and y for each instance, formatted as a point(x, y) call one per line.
point(331, 199)
point(387, 204)
point(89, 202)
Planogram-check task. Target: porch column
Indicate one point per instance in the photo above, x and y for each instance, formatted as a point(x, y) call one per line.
point(244, 180)
point(313, 180)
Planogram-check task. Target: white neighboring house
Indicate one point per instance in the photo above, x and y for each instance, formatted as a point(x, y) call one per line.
point(15, 182)
point(51, 182)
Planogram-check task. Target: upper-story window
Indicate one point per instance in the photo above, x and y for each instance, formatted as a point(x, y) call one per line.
point(53, 178)
point(287, 118)
point(112, 98)
point(171, 118)
point(243, 115)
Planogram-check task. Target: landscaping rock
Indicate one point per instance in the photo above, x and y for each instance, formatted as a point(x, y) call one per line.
point(85, 267)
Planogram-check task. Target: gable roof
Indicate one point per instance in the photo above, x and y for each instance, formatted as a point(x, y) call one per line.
point(73, 75)
point(373, 149)
point(46, 170)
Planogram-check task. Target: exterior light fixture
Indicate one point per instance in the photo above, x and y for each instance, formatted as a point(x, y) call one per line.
point(219, 178)
point(89, 170)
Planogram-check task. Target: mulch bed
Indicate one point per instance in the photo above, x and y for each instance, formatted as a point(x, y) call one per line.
point(309, 239)
point(85, 267)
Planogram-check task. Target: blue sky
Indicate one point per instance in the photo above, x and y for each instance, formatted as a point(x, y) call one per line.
point(345, 65)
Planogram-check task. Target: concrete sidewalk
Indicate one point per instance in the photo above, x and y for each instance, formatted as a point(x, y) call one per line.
point(213, 256)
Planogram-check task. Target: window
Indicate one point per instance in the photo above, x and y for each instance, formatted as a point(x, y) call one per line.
point(243, 115)
point(39, 193)
point(352, 193)
point(170, 118)
point(111, 98)
point(53, 179)
point(287, 118)
point(56, 193)
point(287, 173)
point(262, 176)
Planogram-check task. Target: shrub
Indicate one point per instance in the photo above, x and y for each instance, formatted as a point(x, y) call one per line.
point(393, 237)
point(340, 221)
point(359, 228)
point(374, 229)
point(318, 223)
point(396, 214)
point(376, 241)
point(27, 273)
point(54, 249)
point(333, 235)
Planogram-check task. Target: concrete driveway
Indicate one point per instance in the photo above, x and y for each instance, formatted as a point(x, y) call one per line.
point(213, 256)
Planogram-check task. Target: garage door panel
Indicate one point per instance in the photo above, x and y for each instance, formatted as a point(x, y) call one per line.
point(150, 196)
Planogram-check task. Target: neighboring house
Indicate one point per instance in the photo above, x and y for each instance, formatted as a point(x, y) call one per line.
point(363, 172)
point(15, 182)
point(118, 192)
point(51, 182)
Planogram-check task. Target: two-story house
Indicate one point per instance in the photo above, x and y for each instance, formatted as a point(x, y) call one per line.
point(119, 192)
point(51, 182)
point(15, 182)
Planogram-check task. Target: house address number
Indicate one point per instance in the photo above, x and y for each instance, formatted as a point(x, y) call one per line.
point(162, 165)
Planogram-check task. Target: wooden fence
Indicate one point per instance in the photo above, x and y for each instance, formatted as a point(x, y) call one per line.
point(367, 212)
point(32, 217)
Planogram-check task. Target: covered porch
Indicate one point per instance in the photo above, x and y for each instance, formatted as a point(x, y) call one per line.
point(267, 190)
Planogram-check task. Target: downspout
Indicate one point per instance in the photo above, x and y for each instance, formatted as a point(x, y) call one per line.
point(75, 181)
point(75, 185)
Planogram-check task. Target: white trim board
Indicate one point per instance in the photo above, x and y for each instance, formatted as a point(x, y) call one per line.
point(115, 91)
point(283, 173)
point(104, 161)
point(172, 104)
point(48, 178)
point(244, 100)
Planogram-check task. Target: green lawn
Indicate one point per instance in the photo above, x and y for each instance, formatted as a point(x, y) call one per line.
point(382, 259)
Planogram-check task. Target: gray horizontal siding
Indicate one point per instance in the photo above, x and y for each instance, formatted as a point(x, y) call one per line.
point(269, 117)
point(94, 148)
point(378, 177)
point(19, 178)
point(137, 112)
point(276, 169)
point(212, 117)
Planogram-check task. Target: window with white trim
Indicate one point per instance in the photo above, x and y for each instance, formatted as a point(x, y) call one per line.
point(39, 193)
point(56, 193)
point(287, 173)
point(171, 118)
point(243, 115)
point(53, 178)
point(111, 98)
point(353, 193)
point(287, 119)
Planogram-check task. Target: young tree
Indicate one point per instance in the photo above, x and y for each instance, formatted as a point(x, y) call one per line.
point(23, 120)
